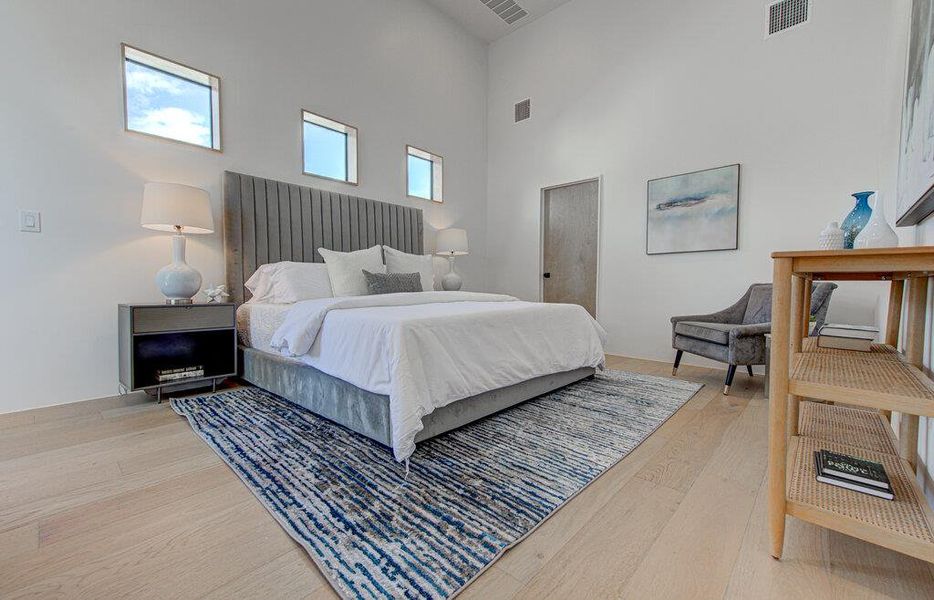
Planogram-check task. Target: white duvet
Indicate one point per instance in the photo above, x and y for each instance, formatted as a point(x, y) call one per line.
point(425, 350)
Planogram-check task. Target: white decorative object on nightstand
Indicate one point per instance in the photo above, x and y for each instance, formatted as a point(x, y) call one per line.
point(216, 294)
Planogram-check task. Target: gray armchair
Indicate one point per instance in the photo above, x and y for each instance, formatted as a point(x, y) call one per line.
point(736, 335)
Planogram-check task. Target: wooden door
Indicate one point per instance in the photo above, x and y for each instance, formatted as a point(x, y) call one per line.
point(570, 226)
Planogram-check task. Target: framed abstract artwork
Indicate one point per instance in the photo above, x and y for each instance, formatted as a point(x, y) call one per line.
point(693, 212)
point(916, 151)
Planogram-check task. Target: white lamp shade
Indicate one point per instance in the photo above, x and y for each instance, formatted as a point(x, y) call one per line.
point(451, 242)
point(170, 205)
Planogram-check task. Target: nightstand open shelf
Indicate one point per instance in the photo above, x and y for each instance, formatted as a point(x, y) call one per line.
point(156, 338)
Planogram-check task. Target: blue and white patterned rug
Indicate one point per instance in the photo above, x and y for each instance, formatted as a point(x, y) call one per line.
point(471, 493)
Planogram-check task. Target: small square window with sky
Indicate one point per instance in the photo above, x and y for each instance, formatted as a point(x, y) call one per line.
point(169, 100)
point(329, 148)
point(423, 174)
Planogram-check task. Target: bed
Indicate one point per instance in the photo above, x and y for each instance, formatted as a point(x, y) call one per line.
point(463, 356)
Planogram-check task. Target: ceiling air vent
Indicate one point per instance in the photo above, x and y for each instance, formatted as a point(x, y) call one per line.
point(785, 14)
point(506, 10)
point(523, 110)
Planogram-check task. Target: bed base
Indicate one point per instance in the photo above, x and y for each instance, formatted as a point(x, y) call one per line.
point(368, 413)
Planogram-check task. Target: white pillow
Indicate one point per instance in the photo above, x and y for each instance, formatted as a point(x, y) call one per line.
point(289, 282)
point(260, 283)
point(402, 262)
point(345, 269)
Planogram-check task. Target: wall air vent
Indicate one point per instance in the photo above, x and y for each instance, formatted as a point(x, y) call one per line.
point(523, 110)
point(506, 10)
point(785, 14)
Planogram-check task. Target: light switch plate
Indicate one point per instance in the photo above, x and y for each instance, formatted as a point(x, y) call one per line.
point(30, 221)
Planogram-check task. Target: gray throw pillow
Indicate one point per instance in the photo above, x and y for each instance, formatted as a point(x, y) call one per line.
point(392, 283)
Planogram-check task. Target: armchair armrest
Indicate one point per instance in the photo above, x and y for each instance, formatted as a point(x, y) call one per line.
point(752, 330)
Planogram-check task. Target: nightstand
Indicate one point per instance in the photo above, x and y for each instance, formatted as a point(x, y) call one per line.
point(171, 347)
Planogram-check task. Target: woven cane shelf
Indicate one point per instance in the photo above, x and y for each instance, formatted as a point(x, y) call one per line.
point(864, 429)
point(879, 379)
point(903, 524)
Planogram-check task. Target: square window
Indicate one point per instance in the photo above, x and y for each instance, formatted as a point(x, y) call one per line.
point(329, 148)
point(169, 100)
point(424, 174)
point(419, 177)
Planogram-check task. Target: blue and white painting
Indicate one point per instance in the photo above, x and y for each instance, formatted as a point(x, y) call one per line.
point(916, 159)
point(694, 212)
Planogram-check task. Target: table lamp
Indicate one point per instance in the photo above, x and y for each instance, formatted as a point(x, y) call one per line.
point(451, 243)
point(182, 209)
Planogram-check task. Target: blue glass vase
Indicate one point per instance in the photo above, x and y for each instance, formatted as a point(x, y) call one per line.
point(857, 219)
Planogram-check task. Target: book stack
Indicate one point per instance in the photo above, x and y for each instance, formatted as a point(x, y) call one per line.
point(847, 337)
point(166, 375)
point(853, 473)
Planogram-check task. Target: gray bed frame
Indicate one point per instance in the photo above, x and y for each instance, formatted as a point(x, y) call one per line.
point(268, 221)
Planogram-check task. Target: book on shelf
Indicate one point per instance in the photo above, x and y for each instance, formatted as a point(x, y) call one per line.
point(880, 488)
point(847, 337)
point(843, 343)
point(856, 469)
point(179, 373)
point(180, 370)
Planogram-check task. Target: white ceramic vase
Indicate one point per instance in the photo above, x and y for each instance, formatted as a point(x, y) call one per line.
point(831, 238)
point(877, 233)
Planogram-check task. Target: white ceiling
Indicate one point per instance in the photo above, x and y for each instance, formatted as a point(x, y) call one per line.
point(481, 21)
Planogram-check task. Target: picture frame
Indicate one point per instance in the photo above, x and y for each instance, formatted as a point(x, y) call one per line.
point(916, 147)
point(696, 211)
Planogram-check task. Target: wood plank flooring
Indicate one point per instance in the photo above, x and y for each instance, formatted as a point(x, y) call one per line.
point(118, 498)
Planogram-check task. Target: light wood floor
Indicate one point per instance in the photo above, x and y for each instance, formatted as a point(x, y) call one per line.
point(117, 497)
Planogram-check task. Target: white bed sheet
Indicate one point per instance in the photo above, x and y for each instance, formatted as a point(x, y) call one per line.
point(428, 349)
point(257, 322)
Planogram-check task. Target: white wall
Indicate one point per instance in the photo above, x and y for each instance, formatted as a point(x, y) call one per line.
point(399, 70)
point(634, 90)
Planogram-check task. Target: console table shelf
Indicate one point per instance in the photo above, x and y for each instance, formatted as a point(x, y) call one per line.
point(881, 380)
point(903, 524)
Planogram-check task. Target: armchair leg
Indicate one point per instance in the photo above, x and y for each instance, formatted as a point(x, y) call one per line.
point(730, 372)
point(749, 369)
point(674, 369)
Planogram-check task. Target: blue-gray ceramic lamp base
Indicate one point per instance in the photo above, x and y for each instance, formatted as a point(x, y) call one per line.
point(178, 282)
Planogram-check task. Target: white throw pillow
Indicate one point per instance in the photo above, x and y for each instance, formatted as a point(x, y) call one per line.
point(297, 281)
point(289, 282)
point(402, 262)
point(346, 269)
point(260, 283)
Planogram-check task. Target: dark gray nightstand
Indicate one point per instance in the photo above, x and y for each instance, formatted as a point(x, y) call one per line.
point(170, 347)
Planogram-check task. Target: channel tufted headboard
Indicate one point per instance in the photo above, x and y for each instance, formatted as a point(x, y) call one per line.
point(268, 221)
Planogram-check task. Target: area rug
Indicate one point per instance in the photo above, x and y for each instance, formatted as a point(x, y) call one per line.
point(470, 494)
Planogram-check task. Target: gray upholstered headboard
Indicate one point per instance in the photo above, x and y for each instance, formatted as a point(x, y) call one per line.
point(268, 221)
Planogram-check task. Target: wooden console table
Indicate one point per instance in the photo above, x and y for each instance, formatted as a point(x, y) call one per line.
point(884, 380)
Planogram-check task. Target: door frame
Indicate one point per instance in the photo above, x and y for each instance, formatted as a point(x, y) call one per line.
point(541, 236)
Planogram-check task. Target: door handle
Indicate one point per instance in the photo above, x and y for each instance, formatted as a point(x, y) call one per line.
point(546, 275)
